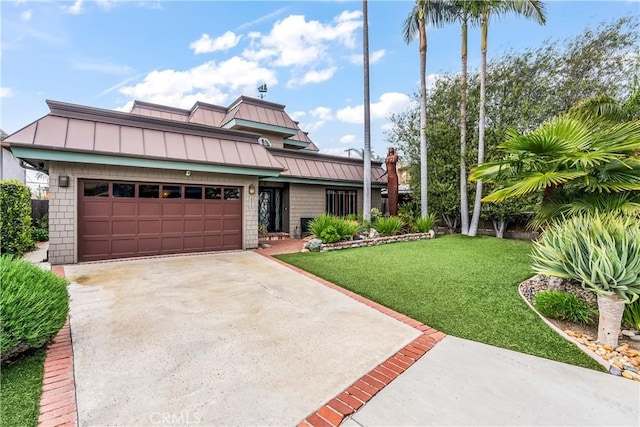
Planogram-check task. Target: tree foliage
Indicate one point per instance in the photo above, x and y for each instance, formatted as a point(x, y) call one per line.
point(524, 89)
point(15, 218)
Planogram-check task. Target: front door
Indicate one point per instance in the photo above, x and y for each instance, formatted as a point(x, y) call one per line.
point(270, 208)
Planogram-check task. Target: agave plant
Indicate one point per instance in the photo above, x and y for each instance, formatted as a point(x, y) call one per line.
point(603, 253)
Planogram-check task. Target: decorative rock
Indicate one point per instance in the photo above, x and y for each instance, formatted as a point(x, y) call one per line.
point(305, 250)
point(622, 347)
point(607, 347)
point(615, 371)
point(635, 338)
point(630, 368)
point(627, 374)
point(432, 234)
point(628, 333)
point(373, 233)
point(555, 283)
point(314, 245)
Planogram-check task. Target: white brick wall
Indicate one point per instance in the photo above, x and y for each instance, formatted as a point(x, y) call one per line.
point(63, 204)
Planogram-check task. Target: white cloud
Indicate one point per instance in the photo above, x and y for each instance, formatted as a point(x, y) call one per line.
point(335, 152)
point(75, 8)
point(99, 66)
point(322, 113)
point(313, 76)
point(205, 44)
point(387, 126)
point(373, 57)
point(26, 15)
point(209, 82)
point(389, 103)
point(6, 92)
point(297, 115)
point(346, 139)
point(294, 41)
point(262, 19)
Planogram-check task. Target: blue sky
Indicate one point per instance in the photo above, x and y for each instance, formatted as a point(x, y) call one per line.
point(107, 53)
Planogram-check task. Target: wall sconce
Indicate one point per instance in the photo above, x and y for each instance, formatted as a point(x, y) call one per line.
point(252, 189)
point(63, 181)
point(187, 173)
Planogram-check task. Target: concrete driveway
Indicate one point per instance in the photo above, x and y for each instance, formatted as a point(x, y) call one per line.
point(222, 339)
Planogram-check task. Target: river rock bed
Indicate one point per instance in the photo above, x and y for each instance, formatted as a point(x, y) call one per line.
point(624, 360)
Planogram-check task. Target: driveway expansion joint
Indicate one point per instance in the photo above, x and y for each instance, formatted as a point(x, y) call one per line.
point(358, 394)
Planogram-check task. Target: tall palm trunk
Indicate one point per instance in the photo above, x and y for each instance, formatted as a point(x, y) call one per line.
point(475, 219)
point(367, 115)
point(424, 204)
point(611, 309)
point(464, 194)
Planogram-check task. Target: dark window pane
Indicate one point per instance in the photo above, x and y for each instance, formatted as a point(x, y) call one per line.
point(149, 191)
point(96, 189)
point(171, 192)
point(213, 193)
point(231, 194)
point(341, 203)
point(352, 207)
point(193, 192)
point(124, 190)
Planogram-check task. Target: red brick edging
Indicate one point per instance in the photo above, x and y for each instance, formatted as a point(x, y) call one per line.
point(362, 391)
point(58, 399)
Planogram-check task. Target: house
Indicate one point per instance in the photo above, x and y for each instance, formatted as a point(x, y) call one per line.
point(9, 166)
point(164, 180)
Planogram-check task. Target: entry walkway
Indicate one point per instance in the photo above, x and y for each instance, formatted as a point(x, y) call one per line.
point(465, 383)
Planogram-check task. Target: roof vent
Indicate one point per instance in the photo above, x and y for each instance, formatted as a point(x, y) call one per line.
point(265, 142)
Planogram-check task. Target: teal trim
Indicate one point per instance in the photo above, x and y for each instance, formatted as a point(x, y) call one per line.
point(101, 159)
point(262, 126)
point(318, 182)
point(302, 144)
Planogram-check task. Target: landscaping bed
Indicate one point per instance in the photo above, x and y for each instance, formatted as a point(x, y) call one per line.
point(624, 360)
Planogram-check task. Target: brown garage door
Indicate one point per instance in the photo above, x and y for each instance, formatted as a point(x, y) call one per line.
point(120, 219)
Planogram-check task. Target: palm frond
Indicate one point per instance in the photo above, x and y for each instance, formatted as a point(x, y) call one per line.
point(533, 182)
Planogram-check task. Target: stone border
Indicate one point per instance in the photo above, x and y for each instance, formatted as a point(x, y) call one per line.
point(58, 399)
point(354, 397)
point(377, 241)
point(606, 365)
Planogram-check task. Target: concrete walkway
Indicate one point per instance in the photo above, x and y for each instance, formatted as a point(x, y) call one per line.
point(465, 383)
point(218, 339)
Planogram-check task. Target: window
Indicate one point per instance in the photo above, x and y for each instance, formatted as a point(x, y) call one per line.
point(341, 202)
point(96, 189)
point(231, 194)
point(171, 192)
point(193, 192)
point(124, 190)
point(149, 191)
point(213, 193)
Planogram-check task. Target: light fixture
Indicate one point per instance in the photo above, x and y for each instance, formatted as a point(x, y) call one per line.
point(63, 181)
point(252, 189)
point(187, 173)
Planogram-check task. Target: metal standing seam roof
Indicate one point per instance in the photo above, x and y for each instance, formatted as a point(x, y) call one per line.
point(259, 111)
point(329, 168)
point(84, 129)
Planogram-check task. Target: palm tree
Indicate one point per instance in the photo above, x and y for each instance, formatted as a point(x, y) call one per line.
point(423, 12)
point(576, 164)
point(367, 114)
point(484, 9)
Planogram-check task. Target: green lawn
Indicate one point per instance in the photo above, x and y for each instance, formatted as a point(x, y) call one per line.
point(21, 389)
point(465, 287)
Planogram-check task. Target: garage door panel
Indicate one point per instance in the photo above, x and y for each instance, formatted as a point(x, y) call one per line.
point(153, 209)
point(149, 226)
point(126, 227)
point(96, 208)
point(172, 208)
point(144, 221)
point(123, 209)
point(123, 247)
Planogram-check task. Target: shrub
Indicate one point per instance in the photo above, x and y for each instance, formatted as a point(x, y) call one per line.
point(262, 230)
point(15, 218)
point(375, 215)
point(631, 315)
point(600, 251)
point(389, 226)
point(331, 229)
point(425, 224)
point(564, 306)
point(39, 234)
point(409, 211)
point(33, 306)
